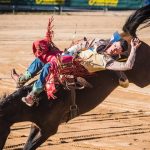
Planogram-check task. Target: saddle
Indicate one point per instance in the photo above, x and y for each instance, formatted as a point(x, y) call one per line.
point(71, 71)
point(71, 75)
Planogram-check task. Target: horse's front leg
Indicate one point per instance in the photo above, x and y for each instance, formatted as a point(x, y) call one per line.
point(123, 80)
point(47, 126)
point(38, 137)
point(34, 131)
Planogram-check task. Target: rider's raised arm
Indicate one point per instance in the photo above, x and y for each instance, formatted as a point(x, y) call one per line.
point(122, 66)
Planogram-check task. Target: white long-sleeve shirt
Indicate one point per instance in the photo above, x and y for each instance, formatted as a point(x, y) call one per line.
point(123, 66)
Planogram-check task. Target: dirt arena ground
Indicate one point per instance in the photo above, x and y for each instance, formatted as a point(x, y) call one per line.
point(121, 122)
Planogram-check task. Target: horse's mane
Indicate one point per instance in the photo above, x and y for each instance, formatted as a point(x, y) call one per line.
point(139, 17)
point(18, 93)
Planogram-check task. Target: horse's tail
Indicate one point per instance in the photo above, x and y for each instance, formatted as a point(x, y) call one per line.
point(139, 17)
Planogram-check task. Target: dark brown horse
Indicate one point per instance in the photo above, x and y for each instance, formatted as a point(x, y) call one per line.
point(49, 114)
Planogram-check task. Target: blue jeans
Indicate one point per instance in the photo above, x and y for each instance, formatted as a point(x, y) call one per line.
point(34, 68)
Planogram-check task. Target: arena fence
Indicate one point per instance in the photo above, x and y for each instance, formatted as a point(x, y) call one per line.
point(70, 5)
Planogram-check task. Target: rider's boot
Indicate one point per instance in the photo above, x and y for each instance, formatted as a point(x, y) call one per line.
point(20, 79)
point(30, 99)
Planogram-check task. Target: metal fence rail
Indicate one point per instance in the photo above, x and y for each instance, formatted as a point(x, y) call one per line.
point(69, 5)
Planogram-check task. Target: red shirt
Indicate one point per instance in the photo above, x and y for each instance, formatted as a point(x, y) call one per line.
point(45, 52)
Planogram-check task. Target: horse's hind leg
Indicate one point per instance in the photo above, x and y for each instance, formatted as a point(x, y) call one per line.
point(35, 140)
point(4, 132)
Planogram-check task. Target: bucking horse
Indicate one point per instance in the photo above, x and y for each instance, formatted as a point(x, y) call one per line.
point(49, 114)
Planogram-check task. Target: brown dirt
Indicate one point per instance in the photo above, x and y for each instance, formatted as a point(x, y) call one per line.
point(121, 122)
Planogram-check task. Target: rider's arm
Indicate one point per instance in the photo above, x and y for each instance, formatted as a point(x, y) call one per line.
point(122, 66)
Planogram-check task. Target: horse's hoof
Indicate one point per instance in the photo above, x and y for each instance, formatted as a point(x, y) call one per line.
point(124, 83)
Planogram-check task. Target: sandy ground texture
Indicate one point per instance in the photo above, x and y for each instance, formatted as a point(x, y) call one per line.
point(121, 122)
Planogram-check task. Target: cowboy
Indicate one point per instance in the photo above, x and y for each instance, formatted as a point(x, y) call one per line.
point(46, 54)
point(99, 54)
